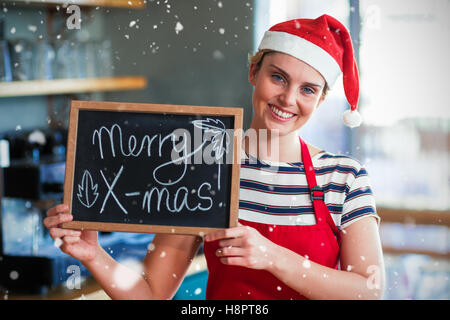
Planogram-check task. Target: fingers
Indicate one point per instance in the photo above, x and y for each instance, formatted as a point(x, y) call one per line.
point(227, 233)
point(56, 216)
point(60, 208)
point(60, 233)
point(234, 261)
point(70, 239)
point(235, 242)
point(230, 252)
point(55, 220)
point(232, 256)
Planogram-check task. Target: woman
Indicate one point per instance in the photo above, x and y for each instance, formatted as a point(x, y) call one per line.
point(289, 244)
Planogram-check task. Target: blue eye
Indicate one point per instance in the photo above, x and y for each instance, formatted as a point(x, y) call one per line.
point(277, 78)
point(308, 90)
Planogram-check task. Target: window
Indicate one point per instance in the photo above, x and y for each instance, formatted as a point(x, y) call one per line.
point(404, 47)
point(404, 52)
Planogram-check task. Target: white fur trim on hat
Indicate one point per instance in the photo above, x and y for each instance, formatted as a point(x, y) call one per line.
point(304, 50)
point(352, 118)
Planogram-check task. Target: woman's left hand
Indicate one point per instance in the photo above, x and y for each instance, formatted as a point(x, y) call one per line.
point(243, 246)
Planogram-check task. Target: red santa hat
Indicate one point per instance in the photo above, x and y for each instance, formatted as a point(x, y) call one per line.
point(325, 44)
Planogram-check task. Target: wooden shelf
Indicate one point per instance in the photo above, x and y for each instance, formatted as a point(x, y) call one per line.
point(64, 86)
point(131, 4)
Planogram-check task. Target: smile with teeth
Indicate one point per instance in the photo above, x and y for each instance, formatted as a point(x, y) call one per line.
point(280, 113)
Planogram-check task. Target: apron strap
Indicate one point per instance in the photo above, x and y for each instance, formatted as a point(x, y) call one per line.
point(317, 195)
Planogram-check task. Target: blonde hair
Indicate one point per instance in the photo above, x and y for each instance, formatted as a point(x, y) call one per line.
point(258, 57)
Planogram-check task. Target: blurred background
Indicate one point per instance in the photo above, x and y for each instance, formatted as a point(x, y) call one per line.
point(196, 53)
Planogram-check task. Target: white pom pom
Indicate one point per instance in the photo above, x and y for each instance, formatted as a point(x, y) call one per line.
point(352, 118)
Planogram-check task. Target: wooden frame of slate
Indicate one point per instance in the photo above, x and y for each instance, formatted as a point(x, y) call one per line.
point(120, 177)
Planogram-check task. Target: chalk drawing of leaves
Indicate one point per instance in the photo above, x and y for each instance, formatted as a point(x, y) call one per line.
point(87, 191)
point(220, 137)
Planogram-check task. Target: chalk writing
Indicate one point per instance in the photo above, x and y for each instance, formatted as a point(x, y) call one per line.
point(111, 142)
point(87, 191)
point(110, 192)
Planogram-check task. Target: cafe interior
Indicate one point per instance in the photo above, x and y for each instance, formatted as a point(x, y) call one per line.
point(196, 53)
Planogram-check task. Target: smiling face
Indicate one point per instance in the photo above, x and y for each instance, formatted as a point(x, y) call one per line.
point(287, 91)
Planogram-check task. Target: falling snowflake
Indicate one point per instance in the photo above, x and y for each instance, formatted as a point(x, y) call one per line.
point(221, 30)
point(58, 242)
point(14, 275)
point(198, 291)
point(306, 264)
point(132, 23)
point(178, 27)
point(18, 48)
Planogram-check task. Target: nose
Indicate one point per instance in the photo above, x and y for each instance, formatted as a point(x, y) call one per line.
point(288, 97)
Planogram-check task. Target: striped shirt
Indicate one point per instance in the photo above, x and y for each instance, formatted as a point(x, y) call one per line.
point(277, 192)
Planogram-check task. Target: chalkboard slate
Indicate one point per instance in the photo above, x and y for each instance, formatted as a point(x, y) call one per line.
point(152, 168)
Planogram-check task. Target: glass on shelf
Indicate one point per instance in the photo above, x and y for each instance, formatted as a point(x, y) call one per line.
point(66, 60)
point(43, 60)
point(5, 61)
point(21, 59)
point(22, 227)
point(85, 59)
point(103, 58)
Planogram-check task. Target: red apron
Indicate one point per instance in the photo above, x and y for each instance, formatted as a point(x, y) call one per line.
point(319, 243)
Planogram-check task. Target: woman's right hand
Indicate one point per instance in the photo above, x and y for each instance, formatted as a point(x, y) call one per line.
point(80, 244)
